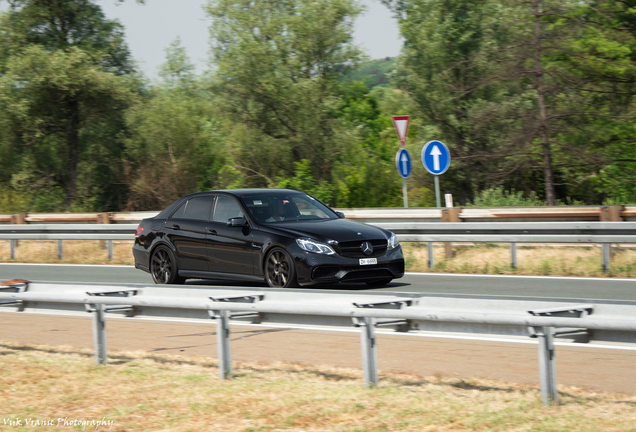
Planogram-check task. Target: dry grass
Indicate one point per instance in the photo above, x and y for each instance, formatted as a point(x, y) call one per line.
point(486, 258)
point(75, 252)
point(494, 258)
point(142, 392)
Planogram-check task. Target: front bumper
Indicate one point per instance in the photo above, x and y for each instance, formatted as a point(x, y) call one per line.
point(315, 269)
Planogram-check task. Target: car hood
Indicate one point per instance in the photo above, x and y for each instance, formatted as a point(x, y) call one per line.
point(340, 230)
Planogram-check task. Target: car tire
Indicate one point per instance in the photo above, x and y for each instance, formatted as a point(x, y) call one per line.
point(163, 267)
point(280, 270)
point(379, 283)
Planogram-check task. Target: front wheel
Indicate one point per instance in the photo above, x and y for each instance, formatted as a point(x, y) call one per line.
point(163, 267)
point(280, 270)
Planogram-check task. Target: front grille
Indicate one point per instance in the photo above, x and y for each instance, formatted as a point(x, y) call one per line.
point(353, 249)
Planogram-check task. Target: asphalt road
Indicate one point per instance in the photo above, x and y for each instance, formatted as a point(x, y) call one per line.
point(429, 283)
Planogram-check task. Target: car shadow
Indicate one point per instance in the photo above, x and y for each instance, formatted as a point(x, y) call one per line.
point(338, 287)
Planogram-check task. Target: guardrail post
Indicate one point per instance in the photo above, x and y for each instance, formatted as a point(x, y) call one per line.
point(513, 255)
point(224, 350)
point(12, 245)
point(605, 254)
point(609, 214)
point(60, 250)
point(547, 366)
point(431, 257)
point(18, 219)
point(369, 352)
point(99, 334)
point(450, 215)
point(105, 218)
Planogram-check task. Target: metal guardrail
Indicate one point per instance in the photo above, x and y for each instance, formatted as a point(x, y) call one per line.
point(603, 233)
point(416, 214)
point(543, 319)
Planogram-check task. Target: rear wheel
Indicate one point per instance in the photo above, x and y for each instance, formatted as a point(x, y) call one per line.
point(163, 267)
point(280, 270)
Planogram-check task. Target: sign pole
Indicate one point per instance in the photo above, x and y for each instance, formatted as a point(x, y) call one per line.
point(404, 193)
point(437, 197)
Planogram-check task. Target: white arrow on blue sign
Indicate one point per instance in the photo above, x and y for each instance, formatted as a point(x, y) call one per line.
point(435, 157)
point(403, 162)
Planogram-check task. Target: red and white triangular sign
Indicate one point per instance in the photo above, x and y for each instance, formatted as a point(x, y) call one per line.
point(401, 124)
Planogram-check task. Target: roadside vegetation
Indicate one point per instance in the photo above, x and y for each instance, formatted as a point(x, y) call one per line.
point(535, 99)
point(478, 258)
point(142, 391)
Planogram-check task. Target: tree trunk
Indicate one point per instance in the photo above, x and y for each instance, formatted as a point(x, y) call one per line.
point(543, 117)
point(72, 141)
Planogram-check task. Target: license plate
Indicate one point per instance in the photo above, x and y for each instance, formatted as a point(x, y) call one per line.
point(368, 261)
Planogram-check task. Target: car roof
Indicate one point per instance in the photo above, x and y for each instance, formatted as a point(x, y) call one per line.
point(245, 192)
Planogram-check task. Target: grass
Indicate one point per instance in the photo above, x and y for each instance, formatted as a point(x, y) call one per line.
point(142, 392)
point(485, 258)
point(494, 258)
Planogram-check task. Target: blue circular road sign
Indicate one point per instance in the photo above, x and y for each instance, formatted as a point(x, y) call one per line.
point(435, 157)
point(403, 162)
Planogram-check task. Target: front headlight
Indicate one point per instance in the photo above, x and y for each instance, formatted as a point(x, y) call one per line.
point(393, 242)
point(310, 245)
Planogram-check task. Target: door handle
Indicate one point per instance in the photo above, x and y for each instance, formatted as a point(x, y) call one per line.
point(210, 231)
point(176, 227)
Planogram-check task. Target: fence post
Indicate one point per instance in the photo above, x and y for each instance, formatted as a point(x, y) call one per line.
point(99, 334)
point(369, 352)
point(60, 250)
point(17, 219)
point(513, 255)
point(224, 350)
point(450, 215)
point(12, 245)
point(105, 218)
point(609, 214)
point(547, 366)
point(431, 258)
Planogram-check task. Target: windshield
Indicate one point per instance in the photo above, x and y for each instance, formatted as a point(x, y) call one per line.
point(286, 207)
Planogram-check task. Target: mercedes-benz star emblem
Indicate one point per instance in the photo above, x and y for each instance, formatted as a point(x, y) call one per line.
point(367, 248)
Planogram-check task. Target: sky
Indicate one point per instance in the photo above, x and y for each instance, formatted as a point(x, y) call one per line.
point(151, 27)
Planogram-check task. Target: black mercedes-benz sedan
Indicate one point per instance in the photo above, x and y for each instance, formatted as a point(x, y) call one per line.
point(283, 237)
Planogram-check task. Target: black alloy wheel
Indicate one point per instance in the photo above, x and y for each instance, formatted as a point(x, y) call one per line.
point(280, 271)
point(163, 267)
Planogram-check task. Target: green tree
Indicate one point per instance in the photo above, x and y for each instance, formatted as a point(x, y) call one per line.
point(529, 94)
point(448, 68)
point(65, 78)
point(277, 64)
point(175, 145)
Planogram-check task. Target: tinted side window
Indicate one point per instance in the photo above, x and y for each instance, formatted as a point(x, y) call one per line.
point(198, 208)
point(180, 211)
point(226, 208)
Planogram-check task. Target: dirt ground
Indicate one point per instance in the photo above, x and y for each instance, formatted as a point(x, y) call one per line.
point(592, 368)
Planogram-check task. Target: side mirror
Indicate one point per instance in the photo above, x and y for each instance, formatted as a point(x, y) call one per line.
point(237, 222)
point(341, 215)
